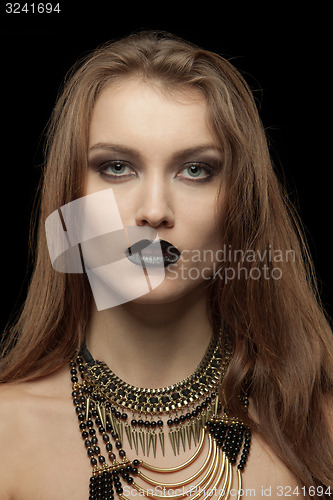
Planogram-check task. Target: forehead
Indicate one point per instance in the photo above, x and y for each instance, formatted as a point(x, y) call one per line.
point(149, 115)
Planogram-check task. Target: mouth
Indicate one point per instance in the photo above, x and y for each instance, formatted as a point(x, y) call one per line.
point(150, 253)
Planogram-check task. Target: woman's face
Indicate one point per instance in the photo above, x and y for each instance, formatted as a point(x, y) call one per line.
point(159, 156)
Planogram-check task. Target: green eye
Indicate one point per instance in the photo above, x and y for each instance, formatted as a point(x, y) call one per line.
point(114, 170)
point(196, 171)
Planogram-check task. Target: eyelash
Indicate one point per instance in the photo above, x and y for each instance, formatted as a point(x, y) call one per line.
point(210, 171)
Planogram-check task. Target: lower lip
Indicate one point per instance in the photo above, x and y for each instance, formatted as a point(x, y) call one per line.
point(151, 260)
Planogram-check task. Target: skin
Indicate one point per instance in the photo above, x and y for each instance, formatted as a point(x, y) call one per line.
point(166, 330)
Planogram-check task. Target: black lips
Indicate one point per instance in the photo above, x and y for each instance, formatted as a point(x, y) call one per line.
point(170, 253)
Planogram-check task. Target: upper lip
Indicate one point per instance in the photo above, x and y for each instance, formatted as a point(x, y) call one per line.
point(168, 249)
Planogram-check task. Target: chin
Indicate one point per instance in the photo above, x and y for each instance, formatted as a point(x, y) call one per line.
point(171, 291)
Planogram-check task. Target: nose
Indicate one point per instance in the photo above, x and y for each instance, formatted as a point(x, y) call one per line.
point(155, 207)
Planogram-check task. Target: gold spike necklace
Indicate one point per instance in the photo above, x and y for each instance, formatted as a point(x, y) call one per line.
point(108, 406)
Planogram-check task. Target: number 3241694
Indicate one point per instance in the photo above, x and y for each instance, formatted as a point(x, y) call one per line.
point(32, 8)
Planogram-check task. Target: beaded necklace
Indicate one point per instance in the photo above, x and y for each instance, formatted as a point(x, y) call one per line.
point(103, 403)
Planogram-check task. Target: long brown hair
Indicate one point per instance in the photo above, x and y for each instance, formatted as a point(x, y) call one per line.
point(283, 345)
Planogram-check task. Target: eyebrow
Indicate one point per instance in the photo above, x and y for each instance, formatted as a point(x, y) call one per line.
point(179, 155)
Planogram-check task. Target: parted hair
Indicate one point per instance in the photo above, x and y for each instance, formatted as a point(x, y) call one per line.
point(281, 338)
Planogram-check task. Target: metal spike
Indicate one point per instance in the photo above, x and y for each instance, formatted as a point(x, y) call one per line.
point(128, 434)
point(189, 435)
point(172, 440)
point(142, 441)
point(104, 416)
point(135, 440)
point(197, 428)
point(161, 438)
point(87, 407)
point(100, 414)
point(216, 405)
point(177, 442)
point(194, 433)
point(153, 440)
point(203, 418)
point(111, 421)
point(148, 442)
point(121, 431)
point(182, 436)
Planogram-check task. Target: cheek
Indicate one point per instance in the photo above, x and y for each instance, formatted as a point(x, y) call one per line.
point(204, 225)
point(92, 183)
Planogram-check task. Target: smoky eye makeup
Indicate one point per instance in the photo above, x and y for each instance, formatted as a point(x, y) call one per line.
point(196, 171)
point(110, 168)
point(115, 166)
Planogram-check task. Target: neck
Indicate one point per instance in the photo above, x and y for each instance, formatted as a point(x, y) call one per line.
point(152, 345)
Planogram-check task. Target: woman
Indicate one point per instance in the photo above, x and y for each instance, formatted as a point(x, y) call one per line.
point(205, 290)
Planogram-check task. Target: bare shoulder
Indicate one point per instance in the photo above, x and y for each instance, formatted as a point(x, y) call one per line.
point(27, 411)
point(265, 473)
point(10, 436)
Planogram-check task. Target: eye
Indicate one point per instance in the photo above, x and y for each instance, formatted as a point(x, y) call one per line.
point(116, 170)
point(196, 171)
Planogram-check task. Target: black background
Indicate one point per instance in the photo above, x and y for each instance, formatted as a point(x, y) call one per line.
point(283, 54)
